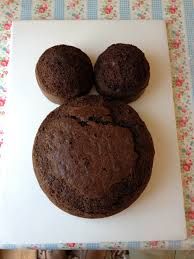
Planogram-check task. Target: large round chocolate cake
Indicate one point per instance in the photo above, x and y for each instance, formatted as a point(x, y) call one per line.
point(92, 157)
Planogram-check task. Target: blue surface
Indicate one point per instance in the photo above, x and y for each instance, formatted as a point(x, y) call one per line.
point(59, 10)
point(93, 246)
point(133, 245)
point(189, 19)
point(157, 12)
point(92, 9)
point(174, 244)
point(124, 9)
point(26, 10)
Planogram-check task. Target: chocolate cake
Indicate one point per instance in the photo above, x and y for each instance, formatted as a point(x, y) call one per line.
point(64, 72)
point(93, 157)
point(122, 72)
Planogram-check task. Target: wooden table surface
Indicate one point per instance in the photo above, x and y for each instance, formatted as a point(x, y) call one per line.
point(103, 254)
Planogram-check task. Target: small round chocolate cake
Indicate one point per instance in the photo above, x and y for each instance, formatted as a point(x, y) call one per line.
point(63, 73)
point(122, 72)
point(92, 157)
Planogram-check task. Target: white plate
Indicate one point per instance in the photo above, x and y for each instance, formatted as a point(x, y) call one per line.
point(27, 216)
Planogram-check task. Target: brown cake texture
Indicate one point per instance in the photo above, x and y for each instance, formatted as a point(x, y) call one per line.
point(63, 73)
point(93, 157)
point(122, 72)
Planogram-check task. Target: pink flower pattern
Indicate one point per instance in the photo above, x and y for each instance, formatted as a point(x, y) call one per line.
point(141, 9)
point(109, 9)
point(182, 90)
point(42, 9)
point(75, 9)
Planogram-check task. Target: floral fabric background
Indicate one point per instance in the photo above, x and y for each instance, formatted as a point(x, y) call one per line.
point(178, 16)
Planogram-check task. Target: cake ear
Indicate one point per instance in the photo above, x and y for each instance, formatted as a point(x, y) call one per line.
point(122, 72)
point(64, 73)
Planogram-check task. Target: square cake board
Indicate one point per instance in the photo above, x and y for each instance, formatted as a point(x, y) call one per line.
point(27, 216)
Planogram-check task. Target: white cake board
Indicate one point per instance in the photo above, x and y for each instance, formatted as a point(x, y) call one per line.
point(27, 216)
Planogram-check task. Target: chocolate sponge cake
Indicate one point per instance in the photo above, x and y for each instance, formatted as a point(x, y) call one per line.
point(122, 72)
point(64, 72)
point(92, 157)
